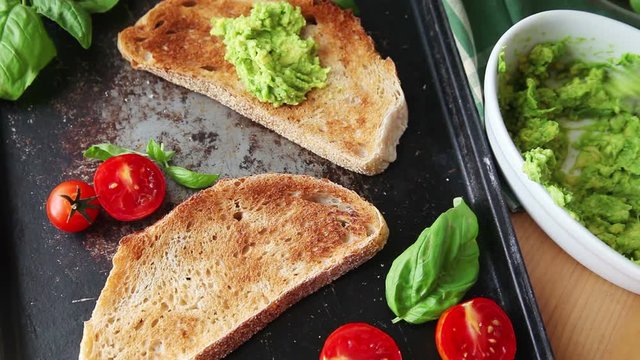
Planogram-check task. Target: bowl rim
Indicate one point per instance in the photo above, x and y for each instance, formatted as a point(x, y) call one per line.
point(494, 123)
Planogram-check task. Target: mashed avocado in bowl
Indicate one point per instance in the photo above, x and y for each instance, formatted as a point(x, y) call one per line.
point(577, 126)
point(562, 121)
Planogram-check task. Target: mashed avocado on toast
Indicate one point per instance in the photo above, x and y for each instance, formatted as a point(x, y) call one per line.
point(577, 127)
point(273, 62)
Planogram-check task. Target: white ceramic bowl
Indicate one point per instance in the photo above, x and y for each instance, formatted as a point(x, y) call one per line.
point(603, 39)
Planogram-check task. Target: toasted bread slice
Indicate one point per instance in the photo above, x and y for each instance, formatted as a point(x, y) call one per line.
point(355, 121)
point(226, 262)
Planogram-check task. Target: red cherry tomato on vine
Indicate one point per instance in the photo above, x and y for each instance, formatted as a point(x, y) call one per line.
point(72, 206)
point(129, 186)
point(476, 329)
point(359, 341)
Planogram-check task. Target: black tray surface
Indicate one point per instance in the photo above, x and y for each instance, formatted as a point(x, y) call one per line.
point(50, 280)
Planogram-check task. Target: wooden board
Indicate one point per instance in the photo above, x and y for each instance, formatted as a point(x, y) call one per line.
point(586, 317)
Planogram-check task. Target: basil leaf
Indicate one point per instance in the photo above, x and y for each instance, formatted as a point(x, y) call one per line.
point(436, 271)
point(70, 16)
point(105, 151)
point(182, 176)
point(635, 5)
point(348, 5)
point(157, 153)
point(191, 179)
point(5, 8)
point(97, 6)
point(25, 48)
point(7, 5)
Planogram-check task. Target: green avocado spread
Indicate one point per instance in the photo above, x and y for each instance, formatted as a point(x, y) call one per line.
point(271, 58)
point(576, 124)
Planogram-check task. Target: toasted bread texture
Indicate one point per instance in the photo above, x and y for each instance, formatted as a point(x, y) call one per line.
point(226, 262)
point(355, 121)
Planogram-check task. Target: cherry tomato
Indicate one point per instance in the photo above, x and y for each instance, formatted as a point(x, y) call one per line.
point(359, 341)
point(72, 206)
point(129, 186)
point(476, 329)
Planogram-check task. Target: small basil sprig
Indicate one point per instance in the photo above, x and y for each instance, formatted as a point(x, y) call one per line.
point(105, 151)
point(156, 152)
point(436, 271)
point(190, 179)
point(25, 46)
point(348, 5)
point(182, 176)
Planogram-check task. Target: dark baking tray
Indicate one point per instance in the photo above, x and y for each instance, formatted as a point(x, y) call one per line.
point(50, 280)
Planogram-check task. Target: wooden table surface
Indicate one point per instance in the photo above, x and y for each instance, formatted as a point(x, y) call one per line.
point(586, 317)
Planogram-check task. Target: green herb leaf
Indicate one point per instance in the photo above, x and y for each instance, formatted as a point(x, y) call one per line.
point(105, 151)
point(191, 179)
point(158, 153)
point(97, 6)
point(7, 5)
point(635, 5)
point(436, 271)
point(25, 48)
point(5, 8)
point(70, 16)
point(348, 4)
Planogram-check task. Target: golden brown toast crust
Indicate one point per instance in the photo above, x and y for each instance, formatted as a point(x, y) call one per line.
point(355, 121)
point(226, 262)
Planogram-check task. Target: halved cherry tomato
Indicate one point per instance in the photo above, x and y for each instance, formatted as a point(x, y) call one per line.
point(476, 329)
point(72, 206)
point(359, 341)
point(129, 186)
